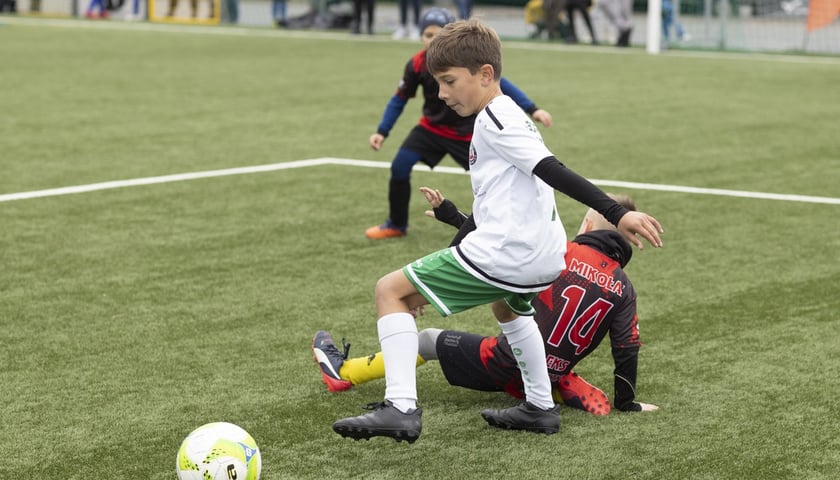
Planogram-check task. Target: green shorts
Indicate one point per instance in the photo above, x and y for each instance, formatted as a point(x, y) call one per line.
point(451, 289)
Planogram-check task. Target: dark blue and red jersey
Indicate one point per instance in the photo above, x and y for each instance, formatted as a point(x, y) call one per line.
point(437, 117)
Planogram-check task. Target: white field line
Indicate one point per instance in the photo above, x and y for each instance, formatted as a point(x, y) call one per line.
point(180, 177)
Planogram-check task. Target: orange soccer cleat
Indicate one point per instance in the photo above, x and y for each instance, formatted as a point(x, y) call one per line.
point(386, 230)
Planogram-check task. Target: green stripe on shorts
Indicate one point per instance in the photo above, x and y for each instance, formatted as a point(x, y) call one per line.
point(451, 289)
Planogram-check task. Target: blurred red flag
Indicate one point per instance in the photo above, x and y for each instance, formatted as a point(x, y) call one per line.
point(821, 13)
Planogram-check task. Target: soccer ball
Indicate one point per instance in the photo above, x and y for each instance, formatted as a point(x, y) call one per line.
point(218, 451)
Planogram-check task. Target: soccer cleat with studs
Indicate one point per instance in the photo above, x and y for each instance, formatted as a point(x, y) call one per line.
point(384, 420)
point(576, 392)
point(386, 230)
point(330, 360)
point(525, 416)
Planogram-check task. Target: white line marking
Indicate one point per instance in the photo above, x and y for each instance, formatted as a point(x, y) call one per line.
point(631, 185)
point(180, 177)
point(717, 191)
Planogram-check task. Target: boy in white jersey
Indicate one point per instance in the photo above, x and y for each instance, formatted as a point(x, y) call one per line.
point(510, 249)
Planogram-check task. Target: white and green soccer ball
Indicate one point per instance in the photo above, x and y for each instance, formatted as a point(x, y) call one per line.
point(219, 451)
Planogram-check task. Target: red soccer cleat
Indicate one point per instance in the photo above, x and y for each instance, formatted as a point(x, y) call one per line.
point(578, 393)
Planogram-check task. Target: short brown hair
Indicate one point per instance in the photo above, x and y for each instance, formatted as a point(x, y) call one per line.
point(624, 200)
point(598, 222)
point(466, 44)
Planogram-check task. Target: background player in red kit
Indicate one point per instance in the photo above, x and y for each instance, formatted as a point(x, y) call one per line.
point(440, 131)
point(592, 298)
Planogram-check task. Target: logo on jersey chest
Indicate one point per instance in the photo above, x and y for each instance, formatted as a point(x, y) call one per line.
point(529, 125)
point(473, 156)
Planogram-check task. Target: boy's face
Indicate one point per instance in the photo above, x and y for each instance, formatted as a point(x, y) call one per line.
point(463, 91)
point(429, 34)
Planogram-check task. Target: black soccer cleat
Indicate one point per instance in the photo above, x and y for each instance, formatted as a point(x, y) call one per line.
point(525, 416)
point(384, 421)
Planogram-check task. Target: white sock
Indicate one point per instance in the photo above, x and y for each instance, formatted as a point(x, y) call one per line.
point(529, 350)
point(398, 339)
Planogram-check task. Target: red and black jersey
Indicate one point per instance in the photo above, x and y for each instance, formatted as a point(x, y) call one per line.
point(437, 117)
point(592, 298)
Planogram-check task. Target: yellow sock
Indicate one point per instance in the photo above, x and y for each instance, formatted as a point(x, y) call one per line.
point(364, 369)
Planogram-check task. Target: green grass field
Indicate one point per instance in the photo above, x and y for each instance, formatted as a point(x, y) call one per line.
point(130, 316)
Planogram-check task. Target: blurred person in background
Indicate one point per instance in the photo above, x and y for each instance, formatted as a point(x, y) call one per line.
point(278, 12)
point(670, 19)
point(581, 6)
point(404, 30)
point(368, 6)
point(552, 10)
point(134, 13)
point(464, 8)
point(620, 14)
point(173, 5)
point(232, 9)
point(96, 9)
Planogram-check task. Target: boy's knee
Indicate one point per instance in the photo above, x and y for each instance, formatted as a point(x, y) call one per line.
point(403, 164)
point(383, 286)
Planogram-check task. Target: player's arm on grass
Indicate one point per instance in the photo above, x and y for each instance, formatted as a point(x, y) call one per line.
point(625, 345)
point(626, 366)
point(629, 224)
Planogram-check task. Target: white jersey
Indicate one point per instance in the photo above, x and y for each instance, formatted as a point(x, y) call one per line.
point(519, 241)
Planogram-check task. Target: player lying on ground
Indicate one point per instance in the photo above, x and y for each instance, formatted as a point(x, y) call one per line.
point(593, 297)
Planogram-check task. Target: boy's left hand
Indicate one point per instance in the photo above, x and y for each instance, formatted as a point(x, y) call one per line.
point(542, 116)
point(640, 223)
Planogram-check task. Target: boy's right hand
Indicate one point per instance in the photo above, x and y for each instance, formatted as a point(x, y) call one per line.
point(434, 197)
point(376, 141)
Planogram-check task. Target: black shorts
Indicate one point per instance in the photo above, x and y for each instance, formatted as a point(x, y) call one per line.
point(475, 362)
point(433, 147)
